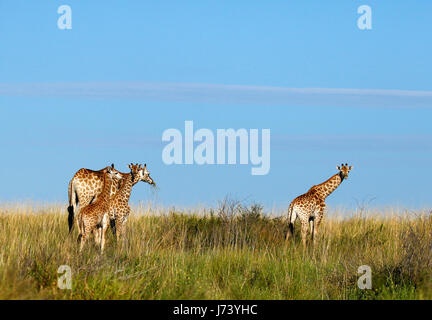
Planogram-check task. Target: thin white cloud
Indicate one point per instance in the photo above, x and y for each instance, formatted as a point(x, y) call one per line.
point(399, 143)
point(364, 142)
point(223, 94)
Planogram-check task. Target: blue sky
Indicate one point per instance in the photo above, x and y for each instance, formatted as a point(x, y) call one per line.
point(105, 91)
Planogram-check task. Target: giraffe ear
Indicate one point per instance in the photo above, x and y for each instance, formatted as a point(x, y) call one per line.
point(129, 166)
point(337, 167)
point(350, 167)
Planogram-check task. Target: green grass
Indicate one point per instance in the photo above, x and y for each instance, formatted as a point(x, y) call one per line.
point(231, 253)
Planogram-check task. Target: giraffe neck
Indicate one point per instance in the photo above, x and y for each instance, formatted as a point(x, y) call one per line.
point(126, 187)
point(135, 179)
point(327, 187)
point(106, 190)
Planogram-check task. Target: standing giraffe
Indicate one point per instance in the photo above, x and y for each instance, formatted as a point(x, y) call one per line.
point(83, 189)
point(87, 184)
point(310, 207)
point(96, 214)
point(119, 209)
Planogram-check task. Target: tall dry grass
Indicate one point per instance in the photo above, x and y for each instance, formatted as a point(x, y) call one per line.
point(229, 252)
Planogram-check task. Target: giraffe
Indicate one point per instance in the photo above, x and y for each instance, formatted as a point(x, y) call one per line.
point(95, 215)
point(119, 209)
point(141, 174)
point(310, 207)
point(83, 189)
point(87, 184)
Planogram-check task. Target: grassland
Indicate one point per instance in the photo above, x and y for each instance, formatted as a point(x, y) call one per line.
point(231, 252)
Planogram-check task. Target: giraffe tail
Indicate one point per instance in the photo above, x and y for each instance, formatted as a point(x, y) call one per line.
point(72, 205)
point(291, 219)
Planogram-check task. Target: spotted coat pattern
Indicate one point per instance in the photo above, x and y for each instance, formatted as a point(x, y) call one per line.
point(310, 207)
point(84, 188)
point(86, 185)
point(96, 214)
point(119, 209)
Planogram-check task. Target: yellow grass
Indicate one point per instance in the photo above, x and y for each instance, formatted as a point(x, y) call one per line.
point(231, 252)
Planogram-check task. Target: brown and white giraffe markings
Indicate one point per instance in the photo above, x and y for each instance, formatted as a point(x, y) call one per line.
point(326, 188)
point(139, 174)
point(96, 214)
point(310, 207)
point(84, 188)
point(119, 209)
point(87, 184)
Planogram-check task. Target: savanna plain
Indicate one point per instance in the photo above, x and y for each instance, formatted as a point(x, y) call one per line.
point(232, 251)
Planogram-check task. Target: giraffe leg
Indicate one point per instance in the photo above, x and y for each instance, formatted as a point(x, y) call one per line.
point(77, 220)
point(124, 224)
point(312, 227)
point(125, 218)
point(105, 224)
point(290, 233)
point(83, 236)
point(112, 221)
point(88, 227)
point(83, 201)
point(318, 220)
point(304, 231)
point(119, 228)
point(97, 233)
point(82, 241)
point(121, 219)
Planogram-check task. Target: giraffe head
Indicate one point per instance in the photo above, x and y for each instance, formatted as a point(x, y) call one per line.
point(344, 170)
point(135, 171)
point(113, 173)
point(145, 175)
point(111, 167)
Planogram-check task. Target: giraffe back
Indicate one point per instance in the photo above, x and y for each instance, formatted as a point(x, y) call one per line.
point(309, 201)
point(87, 185)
